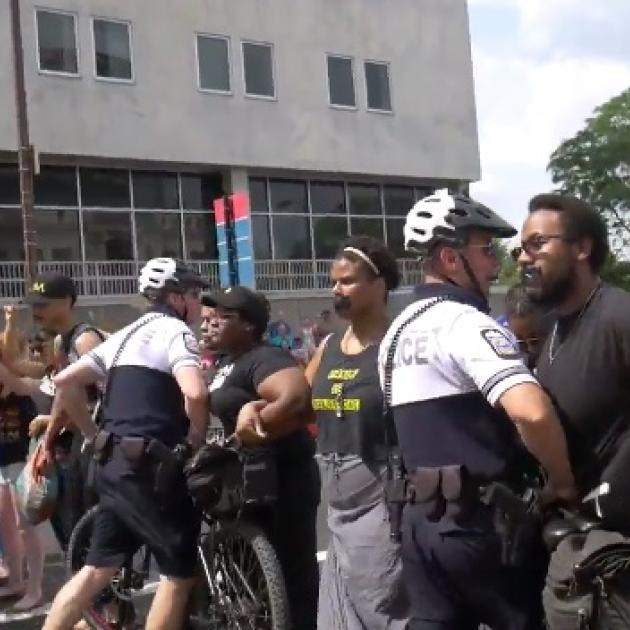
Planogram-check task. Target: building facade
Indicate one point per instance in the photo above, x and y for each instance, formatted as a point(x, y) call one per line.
point(333, 117)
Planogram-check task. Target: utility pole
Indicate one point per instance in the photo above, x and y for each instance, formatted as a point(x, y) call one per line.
point(25, 150)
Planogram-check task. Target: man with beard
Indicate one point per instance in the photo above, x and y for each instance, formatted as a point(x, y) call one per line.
point(460, 396)
point(585, 362)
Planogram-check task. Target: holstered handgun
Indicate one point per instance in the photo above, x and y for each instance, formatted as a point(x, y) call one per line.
point(395, 494)
point(169, 465)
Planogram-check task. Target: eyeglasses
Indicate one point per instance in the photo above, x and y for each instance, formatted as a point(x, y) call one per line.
point(491, 249)
point(534, 245)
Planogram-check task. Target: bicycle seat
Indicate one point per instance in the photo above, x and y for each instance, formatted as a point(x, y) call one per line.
point(559, 528)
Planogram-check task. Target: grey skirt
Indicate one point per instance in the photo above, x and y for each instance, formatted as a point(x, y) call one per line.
point(361, 584)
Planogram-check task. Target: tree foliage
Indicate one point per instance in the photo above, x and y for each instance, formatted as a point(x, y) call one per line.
point(595, 164)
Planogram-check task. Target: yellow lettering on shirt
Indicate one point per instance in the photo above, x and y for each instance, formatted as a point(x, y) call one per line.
point(343, 375)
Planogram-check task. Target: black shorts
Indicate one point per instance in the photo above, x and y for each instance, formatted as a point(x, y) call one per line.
point(131, 514)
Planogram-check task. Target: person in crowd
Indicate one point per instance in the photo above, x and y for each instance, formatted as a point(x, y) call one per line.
point(53, 298)
point(528, 321)
point(22, 541)
point(361, 583)
point(262, 396)
point(282, 337)
point(461, 397)
point(272, 328)
point(155, 391)
point(308, 336)
point(325, 326)
point(585, 362)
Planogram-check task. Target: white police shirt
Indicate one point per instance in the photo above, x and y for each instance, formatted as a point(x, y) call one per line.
point(143, 396)
point(452, 364)
point(452, 349)
point(164, 344)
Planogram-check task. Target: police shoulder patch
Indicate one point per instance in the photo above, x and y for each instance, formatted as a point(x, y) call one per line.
point(500, 342)
point(190, 343)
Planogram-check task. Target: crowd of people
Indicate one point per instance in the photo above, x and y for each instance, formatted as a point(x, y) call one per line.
point(443, 398)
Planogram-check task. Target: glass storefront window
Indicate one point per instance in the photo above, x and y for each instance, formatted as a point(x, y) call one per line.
point(107, 235)
point(328, 198)
point(258, 195)
point(9, 184)
point(58, 234)
point(261, 236)
point(11, 235)
point(200, 191)
point(56, 186)
point(104, 188)
point(201, 236)
point(291, 238)
point(367, 227)
point(152, 189)
point(288, 197)
point(398, 200)
point(396, 238)
point(158, 234)
point(328, 234)
point(364, 199)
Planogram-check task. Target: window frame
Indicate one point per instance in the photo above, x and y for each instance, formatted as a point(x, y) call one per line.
point(261, 97)
point(58, 73)
point(375, 110)
point(351, 108)
point(227, 39)
point(97, 77)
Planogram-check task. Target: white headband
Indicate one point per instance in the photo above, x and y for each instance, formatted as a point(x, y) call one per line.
point(364, 257)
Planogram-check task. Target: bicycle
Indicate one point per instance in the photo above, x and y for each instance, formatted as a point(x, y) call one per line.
point(240, 584)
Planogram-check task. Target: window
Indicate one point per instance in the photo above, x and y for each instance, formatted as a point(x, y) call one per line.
point(57, 42)
point(258, 195)
point(158, 234)
point(288, 197)
point(258, 70)
point(9, 184)
point(11, 235)
point(291, 238)
point(328, 198)
point(213, 58)
point(200, 191)
point(104, 188)
point(56, 186)
point(328, 232)
point(112, 49)
point(341, 82)
point(201, 236)
point(367, 227)
point(398, 200)
point(154, 190)
point(364, 199)
point(107, 235)
point(396, 238)
point(377, 83)
point(261, 236)
point(58, 234)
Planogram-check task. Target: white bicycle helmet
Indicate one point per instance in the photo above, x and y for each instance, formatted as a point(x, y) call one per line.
point(445, 217)
point(170, 274)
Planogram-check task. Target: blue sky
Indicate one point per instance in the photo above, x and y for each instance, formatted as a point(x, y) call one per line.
point(541, 67)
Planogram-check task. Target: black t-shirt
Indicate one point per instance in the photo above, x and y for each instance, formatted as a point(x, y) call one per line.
point(15, 414)
point(588, 379)
point(235, 384)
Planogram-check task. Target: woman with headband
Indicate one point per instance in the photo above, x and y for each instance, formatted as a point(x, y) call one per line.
point(361, 584)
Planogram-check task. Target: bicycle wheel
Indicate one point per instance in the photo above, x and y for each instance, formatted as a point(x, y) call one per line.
point(241, 586)
point(114, 607)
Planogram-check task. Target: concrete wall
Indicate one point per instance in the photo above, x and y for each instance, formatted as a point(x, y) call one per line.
point(432, 132)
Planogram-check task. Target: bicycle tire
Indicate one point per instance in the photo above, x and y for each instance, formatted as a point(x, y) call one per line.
point(75, 559)
point(269, 564)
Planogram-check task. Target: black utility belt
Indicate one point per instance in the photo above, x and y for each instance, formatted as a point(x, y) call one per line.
point(164, 462)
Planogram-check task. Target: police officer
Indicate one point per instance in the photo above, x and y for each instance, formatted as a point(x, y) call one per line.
point(461, 396)
point(155, 397)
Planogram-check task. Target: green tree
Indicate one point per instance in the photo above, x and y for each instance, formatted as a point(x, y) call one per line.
point(595, 164)
point(509, 274)
point(616, 273)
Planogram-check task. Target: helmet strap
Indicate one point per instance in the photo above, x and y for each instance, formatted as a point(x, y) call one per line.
point(472, 277)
